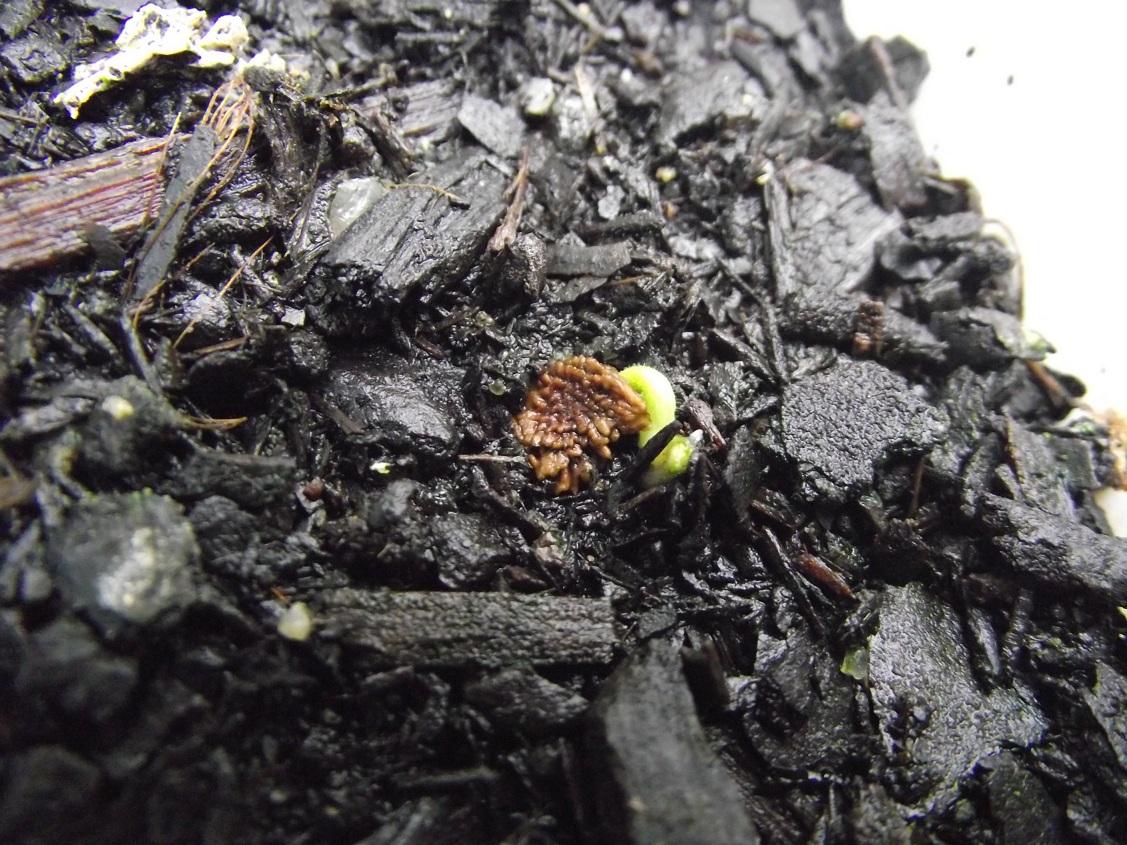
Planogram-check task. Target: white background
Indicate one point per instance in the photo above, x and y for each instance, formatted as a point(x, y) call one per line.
point(1047, 152)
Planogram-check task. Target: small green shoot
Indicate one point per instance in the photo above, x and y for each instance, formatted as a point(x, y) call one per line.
point(661, 405)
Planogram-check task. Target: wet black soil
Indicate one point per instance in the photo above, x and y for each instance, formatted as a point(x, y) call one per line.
point(880, 606)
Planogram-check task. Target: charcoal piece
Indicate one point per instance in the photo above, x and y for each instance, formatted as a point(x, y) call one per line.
point(693, 101)
point(1020, 802)
point(1034, 463)
point(897, 67)
point(984, 337)
point(193, 160)
point(35, 58)
point(945, 230)
point(413, 405)
point(735, 392)
point(899, 162)
point(875, 817)
point(411, 236)
point(965, 401)
point(829, 317)
point(1107, 701)
point(125, 429)
point(840, 424)
point(466, 548)
point(642, 22)
point(432, 109)
point(659, 780)
point(929, 706)
point(571, 257)
point(232, 219)
point(428, 821)
point(556, 179)
point(66, 668)
point(465, 629)
point(798, 713)
point(307, 355)
point(124, 558)
point(45, 419)
point(497, 128)
point(525, 266)
point(223, 530)
point(50, 796)
point(912, 262)
point(255, 482)
point(812, 55)
point(785, 18)
point(824, 228)
point(524, 703)
point(1057, 550)
point(1076, 462)
point(17, 15)
point(206, 311)
point(768, 66)
point(558, 291)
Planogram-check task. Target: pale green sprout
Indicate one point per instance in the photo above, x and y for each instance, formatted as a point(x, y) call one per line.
point(661, 406)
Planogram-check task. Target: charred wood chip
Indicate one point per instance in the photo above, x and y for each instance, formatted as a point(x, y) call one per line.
point(1057, 550)
point(255, 482)
point(866, 327)
point(898, 158)
point(896, 67)
point(428, 229)
point(798, 712)
point(875, 817)
point(984, 337)
point(468, 629)
point(125, 559)
point(643, 719)
point(525, 267)
point(577, 404)
point(1022, 805)
point(769, 66)
point(695, 100)
point(497, 128)
point(785, 18)
point(411, 405)
point(524, 703)
point(1107, 700)
point(824, 228)
point(1034, 463)
point(571, 257)
point(921, 679)
point(36, 57)
point(841, 423)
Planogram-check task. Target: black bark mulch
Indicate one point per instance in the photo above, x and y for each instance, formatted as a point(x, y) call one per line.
point(880, 606)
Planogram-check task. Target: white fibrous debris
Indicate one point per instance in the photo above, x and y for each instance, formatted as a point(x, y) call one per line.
point(269, 61)
point(152, 32)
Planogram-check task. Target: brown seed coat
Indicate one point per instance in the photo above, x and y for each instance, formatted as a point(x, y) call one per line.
point(577, 404)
